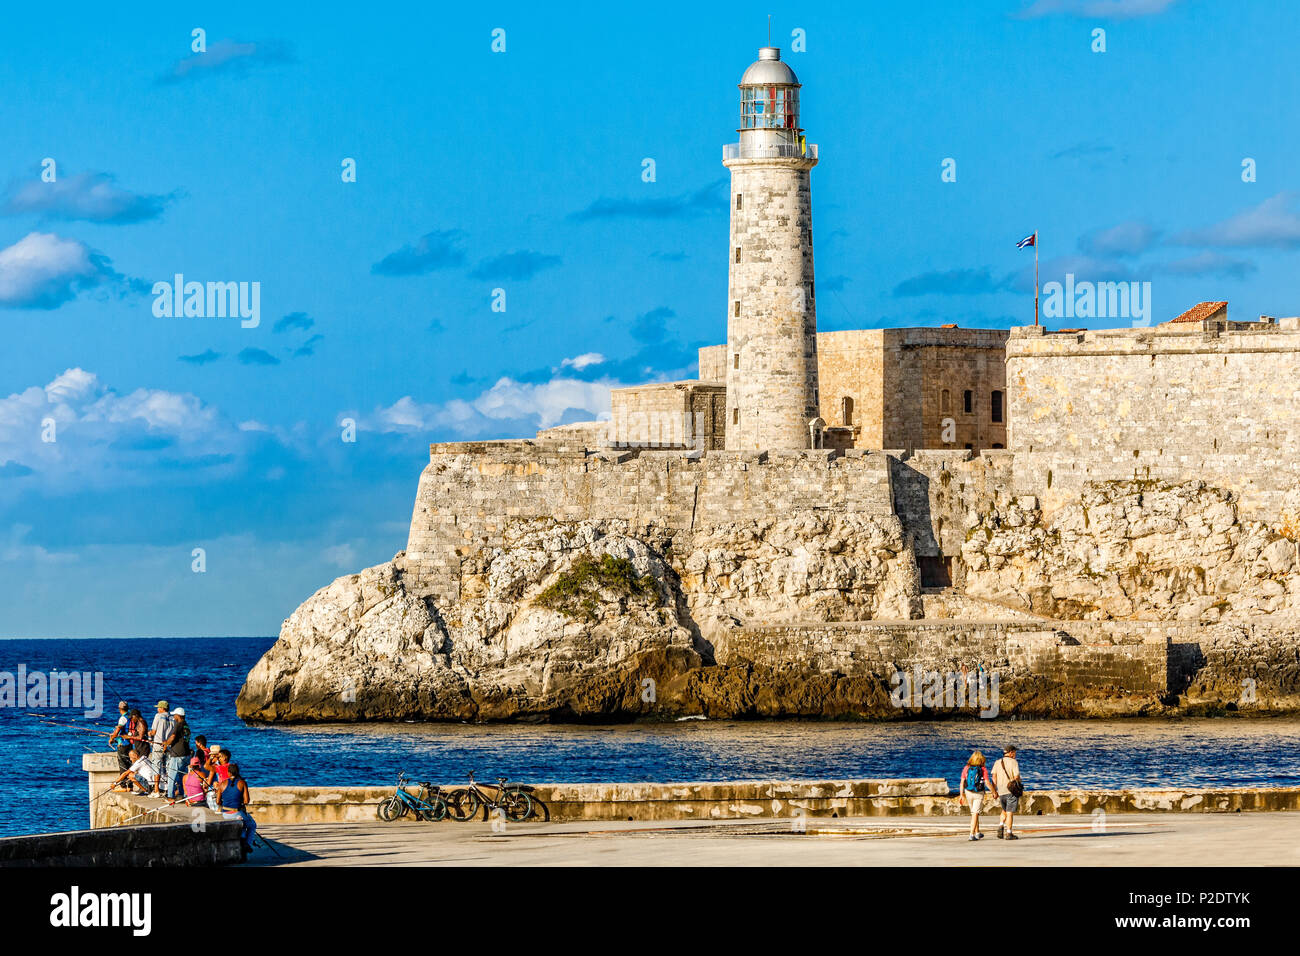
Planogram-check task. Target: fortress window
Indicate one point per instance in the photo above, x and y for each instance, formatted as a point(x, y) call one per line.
point(812, 291)
point(735, 415)
point(737, 253)
point(945, 402)
point(846, 410)
point(968, 401)
point(997, 406)
point(735, 362)
point(736, 308)
point(997, 445)
point(738, 195)
point(970, 447)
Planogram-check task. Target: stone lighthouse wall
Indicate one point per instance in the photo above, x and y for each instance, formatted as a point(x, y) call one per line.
point(771, 361)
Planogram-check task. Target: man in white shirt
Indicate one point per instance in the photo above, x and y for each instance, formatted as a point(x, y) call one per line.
point(1006, 781)
point(140, 772)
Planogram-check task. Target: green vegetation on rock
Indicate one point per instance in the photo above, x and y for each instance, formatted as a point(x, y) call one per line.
point(577, 592)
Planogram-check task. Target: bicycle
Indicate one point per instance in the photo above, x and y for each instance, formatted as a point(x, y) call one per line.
point(431, 805)
point(514, 803)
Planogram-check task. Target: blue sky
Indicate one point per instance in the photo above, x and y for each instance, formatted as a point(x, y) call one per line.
point(522, 170)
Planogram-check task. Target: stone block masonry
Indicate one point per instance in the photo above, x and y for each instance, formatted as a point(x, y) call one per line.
point(1165, 403)
point(772, 317)
point(471, 492)
point(1132, 657)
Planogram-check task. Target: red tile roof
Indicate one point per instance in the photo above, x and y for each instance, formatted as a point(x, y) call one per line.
point(1200, 312)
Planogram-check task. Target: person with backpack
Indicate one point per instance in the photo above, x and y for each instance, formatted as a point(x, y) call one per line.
point(178, 753)
point(974, 783)
point(1006, 777)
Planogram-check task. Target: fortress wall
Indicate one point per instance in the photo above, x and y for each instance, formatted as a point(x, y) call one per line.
point(851, 365)
point(472, 492)
point(1161, 404)
point(1133, 655)
point(935, 490)
point(957, 360)
point(713, 363)
point(669, 414)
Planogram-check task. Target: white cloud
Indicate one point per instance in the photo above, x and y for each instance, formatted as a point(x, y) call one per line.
point(579, 362)
point(1112, 9)
point(99, 436)
point(508, 402)
point(1126, 239)
point(341, 556)
point(93, 197)
point(1274, 222)
point(42, 271)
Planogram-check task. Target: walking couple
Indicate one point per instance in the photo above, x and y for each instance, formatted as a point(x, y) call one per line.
point(1004, 784)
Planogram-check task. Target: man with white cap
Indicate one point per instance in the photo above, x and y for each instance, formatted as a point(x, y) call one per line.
point(177, 746)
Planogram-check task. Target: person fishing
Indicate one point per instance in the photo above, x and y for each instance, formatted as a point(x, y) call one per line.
point(159, 731)
point(201, 749)
point(220, 772)
point(196, 783)
point(140, 772)
point(119, 737)
point(234, 799)
point(137, 732)
point(177, 749)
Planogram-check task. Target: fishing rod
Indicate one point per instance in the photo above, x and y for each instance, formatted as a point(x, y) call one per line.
point(169, 803)
point(261, 841)
point(80, 730)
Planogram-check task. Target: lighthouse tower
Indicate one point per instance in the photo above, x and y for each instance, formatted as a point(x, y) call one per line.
point(771, 311)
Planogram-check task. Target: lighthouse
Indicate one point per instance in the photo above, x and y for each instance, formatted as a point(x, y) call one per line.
point(771, 363)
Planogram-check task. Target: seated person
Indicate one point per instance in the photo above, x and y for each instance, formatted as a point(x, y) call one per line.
point(140, 772)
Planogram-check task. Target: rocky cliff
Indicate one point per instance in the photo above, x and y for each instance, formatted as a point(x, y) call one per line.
point(578, 620)
point(608, 619)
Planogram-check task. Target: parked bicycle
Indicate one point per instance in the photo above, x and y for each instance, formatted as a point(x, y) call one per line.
point(430, 805)
point(512, 800)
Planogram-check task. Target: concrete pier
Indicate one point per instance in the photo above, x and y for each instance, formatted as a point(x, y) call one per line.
point(706, 801)
point(1134, 839)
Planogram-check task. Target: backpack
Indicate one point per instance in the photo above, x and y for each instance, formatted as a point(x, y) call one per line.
point(181, 745)
point(974, 780)
point(1014, 786)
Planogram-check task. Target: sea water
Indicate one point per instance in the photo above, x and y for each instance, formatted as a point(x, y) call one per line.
point(43, 788)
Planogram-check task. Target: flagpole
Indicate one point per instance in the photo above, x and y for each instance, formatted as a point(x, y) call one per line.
point(1035, 277)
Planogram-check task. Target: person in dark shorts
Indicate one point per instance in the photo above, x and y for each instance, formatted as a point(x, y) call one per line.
point(119, 739)
point(1006, 781)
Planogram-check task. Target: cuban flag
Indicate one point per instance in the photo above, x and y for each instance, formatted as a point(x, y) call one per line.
point(1031, 240)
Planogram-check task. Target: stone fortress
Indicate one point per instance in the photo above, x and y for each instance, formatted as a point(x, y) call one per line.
point(1108, 521)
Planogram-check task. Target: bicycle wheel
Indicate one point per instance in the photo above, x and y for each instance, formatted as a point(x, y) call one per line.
point(463, 805)
point(518, 806)
point(437, 809)
point(391, 809)
point(540, 811)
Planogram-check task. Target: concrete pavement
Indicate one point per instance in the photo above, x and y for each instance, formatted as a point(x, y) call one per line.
point(1136, 839)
